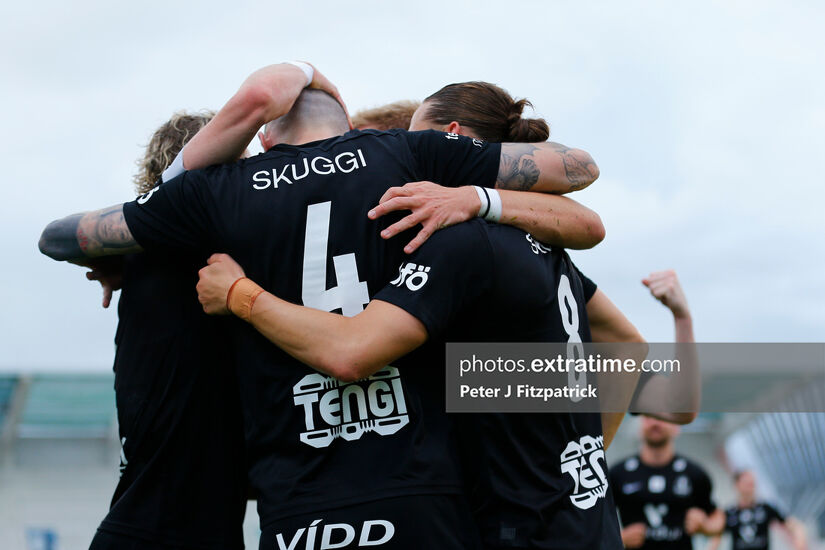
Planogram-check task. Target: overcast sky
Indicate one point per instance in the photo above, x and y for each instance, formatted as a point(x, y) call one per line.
point(706, 119)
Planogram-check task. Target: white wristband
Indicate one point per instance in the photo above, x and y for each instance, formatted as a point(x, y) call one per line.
point(307, 68)
point(485, 201)
point(494, 215)
point(174, 169)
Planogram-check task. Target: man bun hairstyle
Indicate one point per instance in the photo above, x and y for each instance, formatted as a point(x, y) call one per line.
point(490, 111)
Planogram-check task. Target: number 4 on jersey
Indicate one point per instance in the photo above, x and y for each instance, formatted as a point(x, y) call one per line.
point(351, 294)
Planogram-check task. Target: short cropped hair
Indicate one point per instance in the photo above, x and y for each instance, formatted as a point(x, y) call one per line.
point(386, 117)
point(165, 145)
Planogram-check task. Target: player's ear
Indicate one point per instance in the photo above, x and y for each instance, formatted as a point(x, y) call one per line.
point(453, 128)
point(265, 144)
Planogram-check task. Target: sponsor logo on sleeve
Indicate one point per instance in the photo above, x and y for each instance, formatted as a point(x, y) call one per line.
point(144, 198)
point(412, 275)
point(536, 246)
point(584, 461)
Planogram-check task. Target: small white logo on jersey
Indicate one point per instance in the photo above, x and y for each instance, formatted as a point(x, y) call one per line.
point(414, 276)
point(655, 514)
point(682, 486)
point(631, 464)
point(630, 488)
point(584, 461)
point(656, 484)
point(747, 532)
point(123, 461)
point(759, 514)
point(143, 199)
point(374, 532)
point(477, 142)
point(679, 465)
point(451, 135)
point(333, 409)
point(537, 247)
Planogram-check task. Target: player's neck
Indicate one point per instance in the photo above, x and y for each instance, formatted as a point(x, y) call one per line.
point(745, 502)
point(308, 135)
point(657, 456)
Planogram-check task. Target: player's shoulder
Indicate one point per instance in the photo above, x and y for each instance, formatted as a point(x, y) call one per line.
point(463, 237)
point(682, 464)
point(628, 464)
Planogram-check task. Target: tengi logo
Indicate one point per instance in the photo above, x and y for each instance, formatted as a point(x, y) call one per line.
point(373, 532)
point(415, 276)
point(584, 461)
point(333, 409)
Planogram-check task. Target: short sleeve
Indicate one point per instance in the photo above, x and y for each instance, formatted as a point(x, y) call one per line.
point(588, 285)
point(454, 160)
point(731, 519)
point(774, 514)
point(174, 215)
point(702, 492)
point(450, 272)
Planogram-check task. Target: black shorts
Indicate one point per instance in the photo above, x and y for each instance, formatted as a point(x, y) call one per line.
point(415, 522)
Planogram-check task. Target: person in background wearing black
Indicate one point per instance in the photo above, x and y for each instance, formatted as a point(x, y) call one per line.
point(183, 477)
point(748, 522)
point(663, 498)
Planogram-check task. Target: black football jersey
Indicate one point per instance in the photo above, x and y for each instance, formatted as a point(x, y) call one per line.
point(750, 527)
point(536, 480)
point(295, 218)
point(659, 497)
point(179, 413)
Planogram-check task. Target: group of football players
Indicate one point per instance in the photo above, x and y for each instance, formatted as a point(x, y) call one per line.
point(334, 267)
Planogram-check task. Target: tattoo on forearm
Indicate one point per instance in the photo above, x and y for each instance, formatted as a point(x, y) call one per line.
point(517, 170)
point(104, 232)
point(100, 233)
point(579, 169)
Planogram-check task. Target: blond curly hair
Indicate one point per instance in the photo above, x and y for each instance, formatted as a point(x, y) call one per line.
point(386, 117)
point(165, 145)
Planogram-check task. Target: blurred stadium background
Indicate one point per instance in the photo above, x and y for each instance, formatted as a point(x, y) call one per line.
point(59, 456)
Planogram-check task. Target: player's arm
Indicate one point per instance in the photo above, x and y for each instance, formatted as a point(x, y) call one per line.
point(796, 531)
point(265, 95)
point(609, 325)
point(555, 220)
point(78, 237)
point(714, 524)
point(545, 167)
point(663, 393)
point(347, 348)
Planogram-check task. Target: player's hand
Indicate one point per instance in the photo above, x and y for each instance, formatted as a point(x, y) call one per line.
point(694, 520)
point(320, 82)
point(216, 279)
point(109, 273)
point(665, 287)
point(633, 536)
point(433, 206)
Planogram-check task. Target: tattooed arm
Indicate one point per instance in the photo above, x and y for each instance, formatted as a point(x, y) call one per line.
point(546, 167)
point(79, 237)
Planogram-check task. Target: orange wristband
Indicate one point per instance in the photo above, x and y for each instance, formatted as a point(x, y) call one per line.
point(241, 297)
